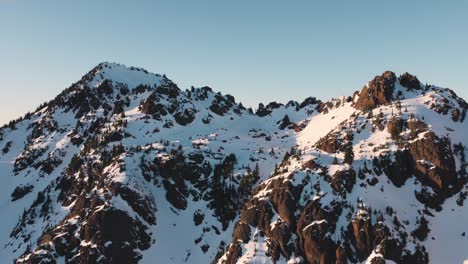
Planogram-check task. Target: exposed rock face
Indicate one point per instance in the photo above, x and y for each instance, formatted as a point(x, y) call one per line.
point(363, 234)
point(258, 213)
point(318, 247)
point(21, 191)
point(409, 81)
point(285, 122)
point(268, 109)
point(435, 163)
point(343, 181)
point(156, 107)
point(221, 105)
point(456, 115)
point(399, 170)
point(309, 101)
point(330, 143)
point(336, 140)
point(378, 92)
point(93, 225)
point(313, 227)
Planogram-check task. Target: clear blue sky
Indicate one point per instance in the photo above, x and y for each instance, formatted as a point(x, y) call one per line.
point(258, 51)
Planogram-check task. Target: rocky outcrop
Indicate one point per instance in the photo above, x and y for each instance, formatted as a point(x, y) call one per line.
point(20, 191)
point(184, 117)
point(285, 122)
point(309, 101)
point(343, 181)
point(331, 143)
point(379, 91)
point(259, 212)
point(313, 229)
point(416, 126)
point(456, 114)
point(430, 158)
point(268, 109)
point(318, 246)
point(395, 127)
point(337, 140)
point(435, 164)
point(94, 228)
point(399, 169)
point(410, 82)
point(222, 104)
point(151, 106)
point(363, 234)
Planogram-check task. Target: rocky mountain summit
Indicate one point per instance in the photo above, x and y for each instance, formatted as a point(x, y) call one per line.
point(125, 167)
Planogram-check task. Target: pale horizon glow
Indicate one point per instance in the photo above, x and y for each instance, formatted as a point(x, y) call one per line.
point(258, 51)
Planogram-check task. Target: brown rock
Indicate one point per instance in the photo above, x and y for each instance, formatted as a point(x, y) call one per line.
point(395, 127)
point(343, 181)
point(378, 92)
point(330, 143)
point(282, 234)
point(242, 232)
point(416, 126)
point(363, 235)
point(440, 171)
point(455, 115)
point(340, 254)
point(233, 253)
point(318, 248)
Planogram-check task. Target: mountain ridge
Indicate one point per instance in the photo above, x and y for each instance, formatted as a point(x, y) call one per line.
point(124, 149)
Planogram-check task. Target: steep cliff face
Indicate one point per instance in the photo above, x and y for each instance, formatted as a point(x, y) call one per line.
point(379, 91)
point(126, 167)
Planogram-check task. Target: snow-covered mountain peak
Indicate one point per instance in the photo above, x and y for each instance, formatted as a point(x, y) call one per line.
point(387, 88)
point(121, 74)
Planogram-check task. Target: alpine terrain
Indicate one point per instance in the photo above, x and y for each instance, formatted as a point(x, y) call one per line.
point(125, 167)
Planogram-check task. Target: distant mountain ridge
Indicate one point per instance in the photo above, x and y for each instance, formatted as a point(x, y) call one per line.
point(125, 167)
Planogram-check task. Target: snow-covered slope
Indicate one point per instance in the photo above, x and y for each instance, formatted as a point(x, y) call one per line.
point(125, 167)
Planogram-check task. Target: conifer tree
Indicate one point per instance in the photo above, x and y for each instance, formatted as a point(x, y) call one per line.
point(349, 155)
